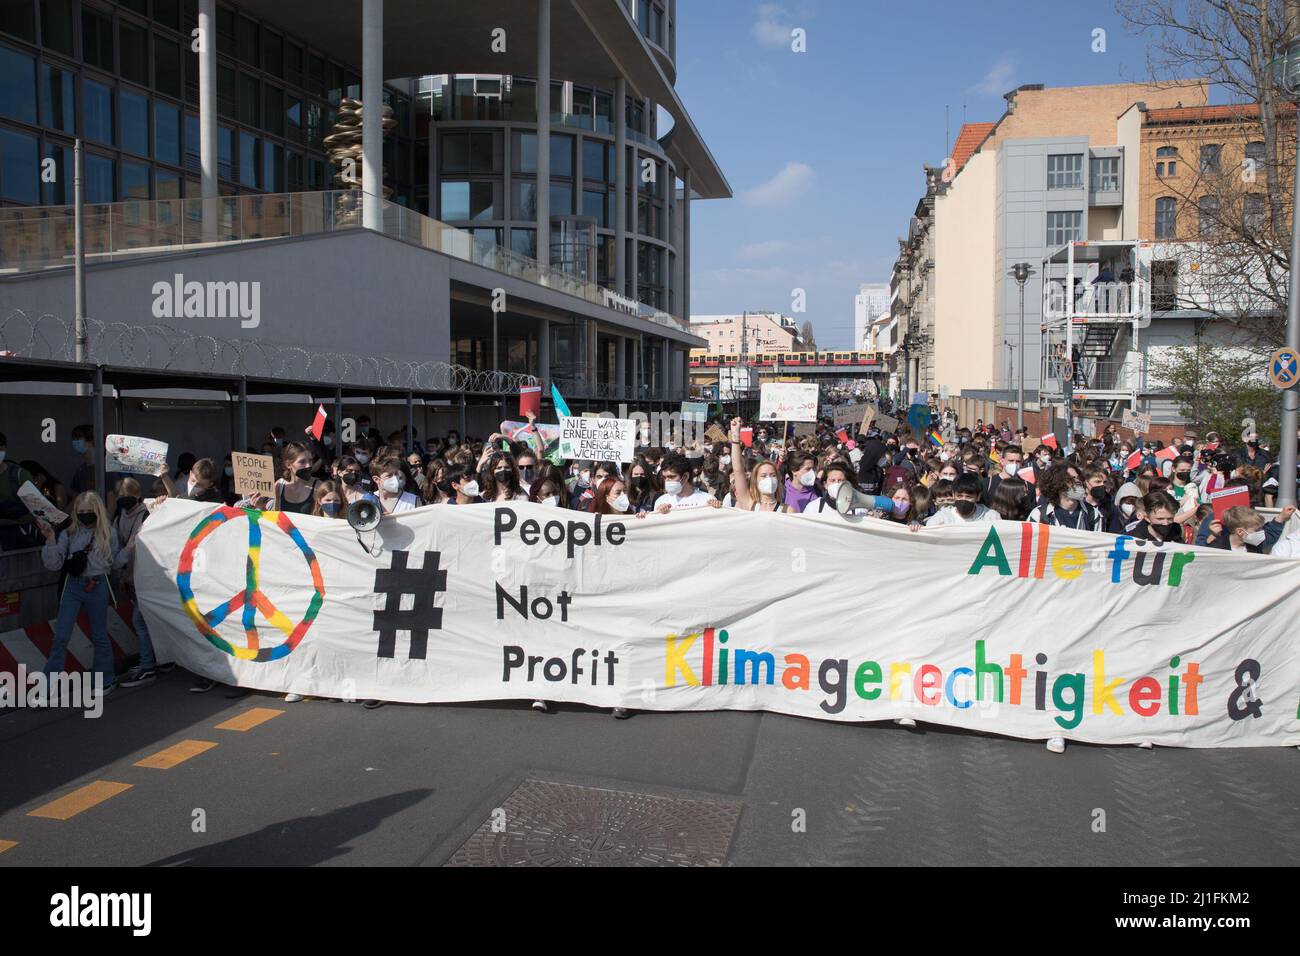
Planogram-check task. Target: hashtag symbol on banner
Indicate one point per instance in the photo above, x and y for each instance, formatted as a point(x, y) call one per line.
point(424, 584)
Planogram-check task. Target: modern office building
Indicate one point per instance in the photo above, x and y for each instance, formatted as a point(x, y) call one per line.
point(537, 177)
point(870, 303)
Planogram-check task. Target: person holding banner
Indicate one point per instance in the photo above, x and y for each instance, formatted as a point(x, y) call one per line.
point(549, 488)
point(200, 482)
point(679, 490)
point(501, 479)
point(130, 517)
point(328, 500)
point(460, 486)
point(642, 486)
point(1063, 502)
point(86, 551)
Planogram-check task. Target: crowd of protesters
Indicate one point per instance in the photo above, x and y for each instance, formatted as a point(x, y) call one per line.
point(947, 474)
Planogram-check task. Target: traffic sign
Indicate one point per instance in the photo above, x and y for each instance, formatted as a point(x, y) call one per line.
point(1284, 368)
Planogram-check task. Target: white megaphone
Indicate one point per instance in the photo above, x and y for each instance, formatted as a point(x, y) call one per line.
point(848, 499)
point(364, 515)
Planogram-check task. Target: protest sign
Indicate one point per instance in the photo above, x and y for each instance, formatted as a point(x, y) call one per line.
point(868, 417)
point(1139, 424)
point(800, 429)
point(530, 400)
point(136, 455)
point(1221, 501)
point(887, 424)
point(846, 415)
point(598, 439)
point(715, 434)
point(254, 474)
point(787, 402)
point(1117, 641)
point(695, 411)
point(39, 505)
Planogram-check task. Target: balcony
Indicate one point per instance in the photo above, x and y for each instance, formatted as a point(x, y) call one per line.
point(1096, 302)
point(41, 238)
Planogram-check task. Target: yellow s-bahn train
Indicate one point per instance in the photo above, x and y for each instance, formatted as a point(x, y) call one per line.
point(786, 359)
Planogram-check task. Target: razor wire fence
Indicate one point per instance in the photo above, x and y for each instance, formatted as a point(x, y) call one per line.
point(160, 347)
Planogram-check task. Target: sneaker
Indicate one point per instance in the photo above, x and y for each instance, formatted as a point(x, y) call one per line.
point(293, 698)
point(1147, 745)
point(372, 704)
point(1056, 745)
point(204, 685)
point(540, 706)
point(165, 668)
point(620, 713)
point(905, 721)
point(137, 676)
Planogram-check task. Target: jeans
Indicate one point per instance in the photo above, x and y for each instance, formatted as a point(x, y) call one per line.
point(75, 597)
point(147, 660)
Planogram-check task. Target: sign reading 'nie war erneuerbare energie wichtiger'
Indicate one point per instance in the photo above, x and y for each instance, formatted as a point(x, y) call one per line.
point(1115, 640)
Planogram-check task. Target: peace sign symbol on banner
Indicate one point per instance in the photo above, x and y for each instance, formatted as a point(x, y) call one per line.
point(251, 600)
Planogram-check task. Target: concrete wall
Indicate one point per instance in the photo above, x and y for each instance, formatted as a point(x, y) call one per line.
point(352, 291)
point(965, 351)
point(1129, 136)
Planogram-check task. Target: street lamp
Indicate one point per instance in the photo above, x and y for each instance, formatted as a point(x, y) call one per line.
point(1021, 272)
point(1286, 74)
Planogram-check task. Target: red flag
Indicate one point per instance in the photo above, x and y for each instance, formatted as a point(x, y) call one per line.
point(1168, 453)
point(1221, 501)
point(318, 426)
point(530, 400)
point(842, 435)
point(1050, 441)
point(1027, 474)
point(747, 437)
point(1134, 460)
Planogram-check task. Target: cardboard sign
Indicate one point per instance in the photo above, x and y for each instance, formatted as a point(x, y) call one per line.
point(846, 415)
point(800, 429)
point(787, 402)
point(530, 400)
point(254, 475)
point(598, 439)
point(1221, 501)
point(695, 411)
point(714, 433)
point(1140, 424)
point(868, 416)
point(39, 505)
point(131, 453)
point(887, 424)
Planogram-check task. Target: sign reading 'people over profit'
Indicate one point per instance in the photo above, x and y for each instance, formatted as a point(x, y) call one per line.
point(1117, 641)
point(598, 439)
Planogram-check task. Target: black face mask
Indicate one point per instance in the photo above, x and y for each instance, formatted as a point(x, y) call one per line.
point(1183, 475)
point(638, 482)
point(351, 478)
point(1162, 531)
point(87, 518)
point(527, 472)
point(127, 502)
point(303, 474)
point(964, 508)
point(501, 476)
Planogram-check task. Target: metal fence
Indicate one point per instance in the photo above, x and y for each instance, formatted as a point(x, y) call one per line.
point(161, 347)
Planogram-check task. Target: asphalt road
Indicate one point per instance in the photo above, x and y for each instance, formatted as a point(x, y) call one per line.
point(321, 782)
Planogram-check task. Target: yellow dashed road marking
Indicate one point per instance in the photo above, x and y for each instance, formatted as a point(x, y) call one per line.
point(67, 807)
point(177, 753)
point(250, 719)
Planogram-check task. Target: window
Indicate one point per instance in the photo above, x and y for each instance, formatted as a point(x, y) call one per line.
point(1169, 165)
point(134, 112)
point(58, 99)
point(225, 152)
point(18, 167)
point(1207, 210)
point(1063, 227)
point(1164, 285)
point(273, 109)
point(97, 39)
point(167, 67)
point(134, 44)
point(561, 199)
point(272, 53)
point(250, 100)
point(524, 201)
point(1255, 151)
point(1252, 209)
point(59, 192)
point(18, 18)
point(166, 134)
point(293, 112)
point(225, 91)
point(593, 160)
point(98, 175)
point(168, 13)
point(468, 152)
point(1105, 174)
point(594, 204)
point(56, 25)
point(561, 155)
point(524, 242)
point(98, 106)
point(272, 162)
point(248, 165)
point(1166, 217)
point(1065, 171)
point(17, 86)
point(525, 153)
point(296, 172)
point(463, 201)
point(135, 181)
point(247, 35)
point(523, 101)
point(1210, 158)
point(166, 186)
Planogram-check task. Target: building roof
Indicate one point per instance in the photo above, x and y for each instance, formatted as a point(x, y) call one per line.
point(970, 138)
point(1203, 114)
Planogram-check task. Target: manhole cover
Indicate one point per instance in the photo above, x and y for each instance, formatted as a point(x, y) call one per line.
point(557, 824)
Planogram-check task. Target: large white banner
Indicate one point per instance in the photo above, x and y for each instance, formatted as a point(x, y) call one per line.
point(1019, 629)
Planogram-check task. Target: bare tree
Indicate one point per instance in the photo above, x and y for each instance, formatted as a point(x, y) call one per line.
point(806, 336)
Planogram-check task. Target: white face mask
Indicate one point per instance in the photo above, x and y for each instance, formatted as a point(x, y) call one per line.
point(362, 458)
point(1255, 537)
point(1009, 468)
point(1128, 509)
point(833, 489)
point(673, 487)
point(724, 461)
point(808, 479)
point(767, 485)
point(621, 503)
point(469, 489)
point(551, 501)
point(393, 484)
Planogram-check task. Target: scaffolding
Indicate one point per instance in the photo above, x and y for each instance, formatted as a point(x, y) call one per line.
point(1096, 301)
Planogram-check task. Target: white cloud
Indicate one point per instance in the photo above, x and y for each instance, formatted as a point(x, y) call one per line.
point(762, 250)
point(997, 80)
point(768, 29)
point(786, 186)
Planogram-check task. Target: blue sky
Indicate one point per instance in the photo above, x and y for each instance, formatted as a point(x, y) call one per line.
point(824, 149)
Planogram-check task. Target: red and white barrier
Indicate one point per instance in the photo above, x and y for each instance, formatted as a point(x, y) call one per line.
point(30, 645)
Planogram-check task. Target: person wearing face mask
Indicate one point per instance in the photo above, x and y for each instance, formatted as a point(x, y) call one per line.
point(966, 507)
point(17, 526)
point(83, 444)
point(328, 500)
point(801, 485)
point(296, 484)
point(1158, 525)
point(86, 551)
point(679, 491)
point(527, 462)
point(1064, 501)
point(838, 474)
point(130, 517)
point(1041, 463)
point(580, 485)
point(390, 486)
point(500, 480)
point(1128, 505)
point(548, 490)
point(643, 487)
point(612, 499)
point(1013, 460)
point(200, 483)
